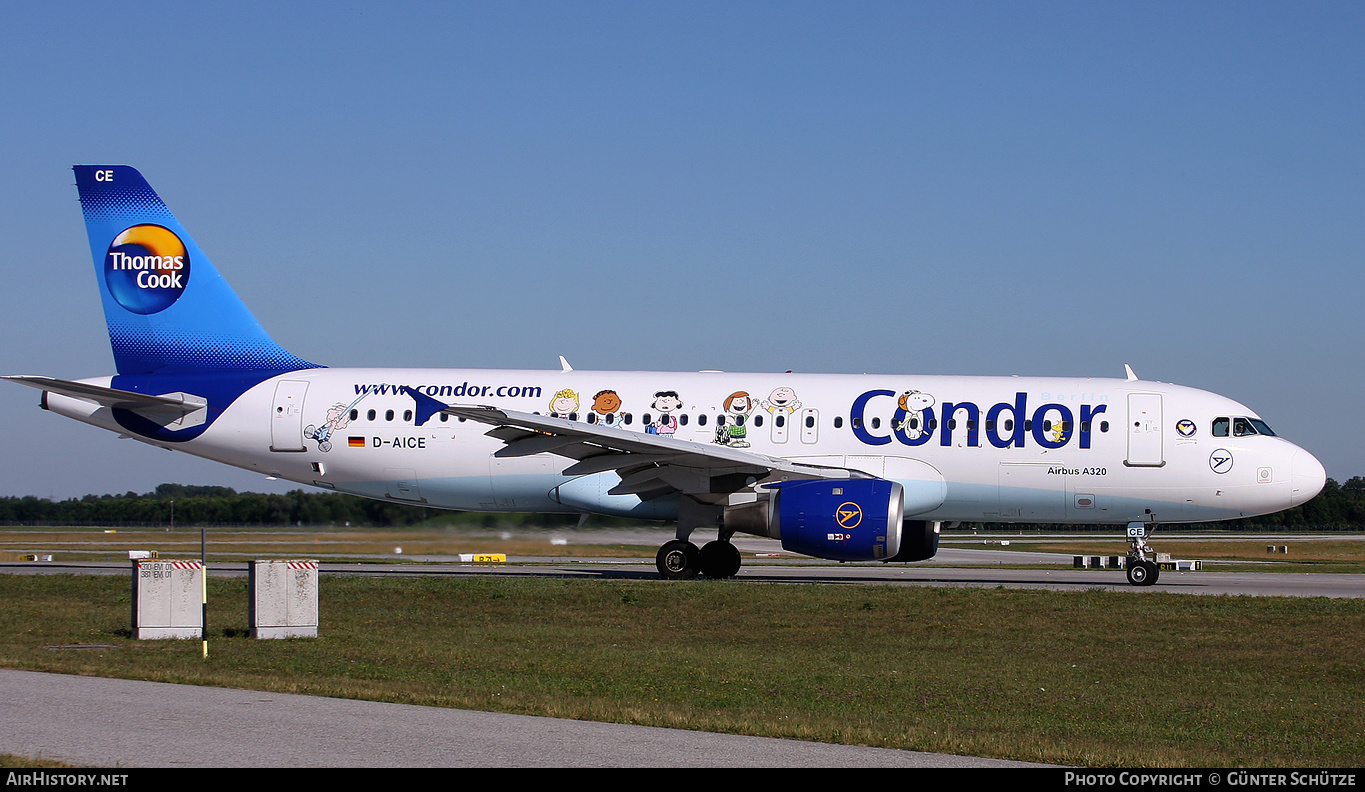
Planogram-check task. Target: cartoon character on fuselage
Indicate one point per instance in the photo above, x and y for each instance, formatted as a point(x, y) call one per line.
point(782, 401)
point(337, 419)
point(563, 404)
point(914, 403)
point(666, 402)
point(731, 430)
point(605, 404)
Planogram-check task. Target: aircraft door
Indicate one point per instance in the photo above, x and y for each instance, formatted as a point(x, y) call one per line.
point(286, 416)
point(780, 419)
point(1144, 430)
point(810, 426)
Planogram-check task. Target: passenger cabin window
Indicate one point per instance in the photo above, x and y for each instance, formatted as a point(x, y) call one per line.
point(388, 415)
point(369, 416)
point(407, 415)
point(838, 422)
point(355, 414)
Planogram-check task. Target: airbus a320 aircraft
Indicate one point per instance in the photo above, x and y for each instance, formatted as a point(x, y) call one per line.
point(853, 468)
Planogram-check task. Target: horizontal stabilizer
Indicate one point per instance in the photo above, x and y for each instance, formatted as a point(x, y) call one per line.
point(181, 409)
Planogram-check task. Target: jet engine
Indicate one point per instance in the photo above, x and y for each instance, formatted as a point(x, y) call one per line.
point(838, 519)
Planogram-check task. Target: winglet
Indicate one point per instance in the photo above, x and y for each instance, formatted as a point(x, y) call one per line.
point(1129, 371)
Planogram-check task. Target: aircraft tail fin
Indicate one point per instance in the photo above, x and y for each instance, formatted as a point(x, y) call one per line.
point(167, 308)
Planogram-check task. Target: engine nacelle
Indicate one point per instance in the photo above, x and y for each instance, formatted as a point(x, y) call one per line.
point(919, 540)
point(839, 519)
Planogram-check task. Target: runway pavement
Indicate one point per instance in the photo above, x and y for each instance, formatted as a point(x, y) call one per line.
point(94, 722)
point(1058, 577)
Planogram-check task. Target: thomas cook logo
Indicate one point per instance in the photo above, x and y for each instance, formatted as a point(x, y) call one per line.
point(848, 515)
point(146, 268)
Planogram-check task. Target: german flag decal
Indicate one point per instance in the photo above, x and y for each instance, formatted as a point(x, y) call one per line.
point(355, 442)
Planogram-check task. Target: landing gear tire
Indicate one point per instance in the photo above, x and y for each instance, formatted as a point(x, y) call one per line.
point(719, 560)
point(678, 560)
point(1142, 573)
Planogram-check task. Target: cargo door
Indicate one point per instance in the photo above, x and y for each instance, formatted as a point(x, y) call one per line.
point(403, 484)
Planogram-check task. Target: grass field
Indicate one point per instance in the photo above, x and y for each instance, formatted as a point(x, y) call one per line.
point(1090, 678)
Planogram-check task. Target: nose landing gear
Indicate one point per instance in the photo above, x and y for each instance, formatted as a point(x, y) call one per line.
point(1142, 571)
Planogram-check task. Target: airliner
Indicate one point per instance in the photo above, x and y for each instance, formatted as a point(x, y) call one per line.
point(841, 467)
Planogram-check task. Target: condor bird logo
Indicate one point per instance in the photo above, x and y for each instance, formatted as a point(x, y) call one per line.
point(146, 268)
point(848, 515)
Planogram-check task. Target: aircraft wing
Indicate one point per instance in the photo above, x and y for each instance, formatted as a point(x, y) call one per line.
point(649, 465)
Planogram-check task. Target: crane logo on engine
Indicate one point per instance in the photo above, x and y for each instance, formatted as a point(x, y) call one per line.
point(848, 515)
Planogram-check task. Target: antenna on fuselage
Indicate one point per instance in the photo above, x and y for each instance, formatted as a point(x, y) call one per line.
point(564, 364)
point(1126, 368)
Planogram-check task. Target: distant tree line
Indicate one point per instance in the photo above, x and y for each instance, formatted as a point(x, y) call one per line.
point(224, 506)
point(1340, 507)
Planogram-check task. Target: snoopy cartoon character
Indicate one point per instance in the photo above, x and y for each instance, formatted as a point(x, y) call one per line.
point(914, 403)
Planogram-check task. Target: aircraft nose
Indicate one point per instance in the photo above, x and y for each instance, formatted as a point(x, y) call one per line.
point(1307, 477)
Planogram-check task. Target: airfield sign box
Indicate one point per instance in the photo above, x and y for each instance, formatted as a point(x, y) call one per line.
point(168, 599)
point(284, 599)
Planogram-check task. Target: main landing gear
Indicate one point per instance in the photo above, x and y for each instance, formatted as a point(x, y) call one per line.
point(1142, 571)
point(681, 560)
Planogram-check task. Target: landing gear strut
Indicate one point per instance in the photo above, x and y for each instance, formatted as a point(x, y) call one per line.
point(1142, 570)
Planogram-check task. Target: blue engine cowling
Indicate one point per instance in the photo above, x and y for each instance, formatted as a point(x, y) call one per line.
point(839, 519)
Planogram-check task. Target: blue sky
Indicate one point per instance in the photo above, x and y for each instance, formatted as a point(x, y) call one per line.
point(954, 188)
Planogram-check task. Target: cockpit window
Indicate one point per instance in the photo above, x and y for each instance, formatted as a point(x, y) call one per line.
point(1241, 427)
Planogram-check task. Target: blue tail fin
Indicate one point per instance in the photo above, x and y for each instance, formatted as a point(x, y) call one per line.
point(168, 309)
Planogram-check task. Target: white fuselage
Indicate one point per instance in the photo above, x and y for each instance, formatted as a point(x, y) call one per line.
point(1000, 449)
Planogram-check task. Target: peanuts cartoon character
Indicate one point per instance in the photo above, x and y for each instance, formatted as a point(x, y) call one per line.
point(782, 401)
point(730, 430)
point(563, 404)
point(913, 402)
point(665, 402)
point(605, 404)
point(337, 419)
